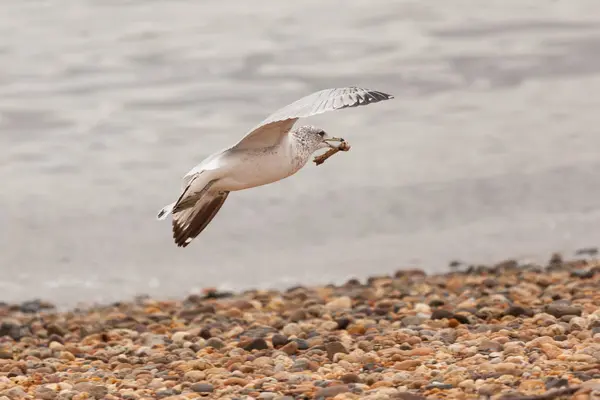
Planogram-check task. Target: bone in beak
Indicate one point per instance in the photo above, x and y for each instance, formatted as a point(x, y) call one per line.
point(334, 139)
point(343, 146)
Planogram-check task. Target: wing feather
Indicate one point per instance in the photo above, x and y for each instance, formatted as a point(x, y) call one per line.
point(279, 123)
point(189, 223)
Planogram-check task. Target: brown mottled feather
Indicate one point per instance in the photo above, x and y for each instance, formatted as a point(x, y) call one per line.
point(189, 226)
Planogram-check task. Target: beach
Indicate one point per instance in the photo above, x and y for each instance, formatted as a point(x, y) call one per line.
point(334, 283)
point(503, 331)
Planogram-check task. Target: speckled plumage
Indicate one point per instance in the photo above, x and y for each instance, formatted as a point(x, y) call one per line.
point(305, 141)
point(271, 151)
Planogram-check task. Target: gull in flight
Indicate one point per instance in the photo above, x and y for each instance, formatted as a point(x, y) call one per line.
point(270, 152)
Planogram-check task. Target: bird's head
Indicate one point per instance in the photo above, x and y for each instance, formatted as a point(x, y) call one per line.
point(316, 138)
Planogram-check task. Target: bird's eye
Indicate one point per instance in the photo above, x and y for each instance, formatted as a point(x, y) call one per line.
point(321, 133)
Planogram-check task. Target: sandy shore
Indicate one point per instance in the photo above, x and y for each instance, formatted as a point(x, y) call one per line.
point(504, 331)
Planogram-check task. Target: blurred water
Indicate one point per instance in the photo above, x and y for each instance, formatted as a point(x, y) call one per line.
point(490, 149)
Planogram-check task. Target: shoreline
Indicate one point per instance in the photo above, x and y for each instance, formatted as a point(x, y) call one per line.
point(497, 331)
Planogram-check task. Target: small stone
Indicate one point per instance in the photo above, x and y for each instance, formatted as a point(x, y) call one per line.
point(342, 323)
point(256, 344)
point(202, 388)
point(592, 385)
point(421, 351)
point(350, 378)
point(54, 329)
point(333, 348)
point(506, 368)
point(292, 329)
point(179, 336)
point(56, 338)
point(11, 328)
point(16, 392)
point(303, 364)
point(215, 343)
point(165, 393)
point(331, 391)
point(531, 385)
point(551, 350)
point(407, 365)
point(290, 349)
point(279, 340)
point(356, 329)
point(98, 391)
point(578, 323)
point(329, 326)
point(490, 282)
point(555, 260)
point(65, 395)
point(191, 313)
point(517, 311)
point(490, 389)
point(302, 344)
point(412, 320)
point(583, 273)
point(83, 387)
point(490, 346)
point(422, 308)
point(489, 313)
point(587, 251)
point(56, 346)
point(463, 319)
point(298, 315)
point(151, 339)
point(235, 381)
point(34, 306)
point(340, 303)
point(554, 383)
point(408, 396)
point(45, 393)
point(436, 303)
point(559, 310)
point(441, 314)
point(448, 336)
point(65, 355)
point(194, 376)
point(438, 385)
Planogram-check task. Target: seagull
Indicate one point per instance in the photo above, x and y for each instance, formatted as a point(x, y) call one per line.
point(270, 152)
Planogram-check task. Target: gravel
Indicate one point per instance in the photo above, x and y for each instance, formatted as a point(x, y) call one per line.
point(502, 331)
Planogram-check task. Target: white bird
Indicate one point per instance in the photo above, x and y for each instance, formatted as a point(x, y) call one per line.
point(268, 153)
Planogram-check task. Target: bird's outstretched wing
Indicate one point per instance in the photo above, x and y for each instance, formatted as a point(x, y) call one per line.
point(270, 130)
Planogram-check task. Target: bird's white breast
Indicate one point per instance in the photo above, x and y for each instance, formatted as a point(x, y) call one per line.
point(243, 169)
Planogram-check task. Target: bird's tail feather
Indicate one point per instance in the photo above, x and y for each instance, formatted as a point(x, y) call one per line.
point(164, 213)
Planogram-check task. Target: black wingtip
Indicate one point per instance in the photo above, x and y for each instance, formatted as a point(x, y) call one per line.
point(385, 96)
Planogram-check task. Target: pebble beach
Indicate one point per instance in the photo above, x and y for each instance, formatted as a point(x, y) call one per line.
point(505, 331)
